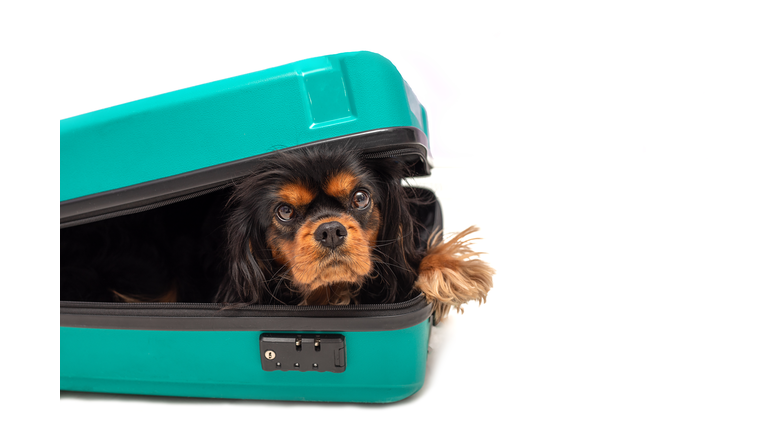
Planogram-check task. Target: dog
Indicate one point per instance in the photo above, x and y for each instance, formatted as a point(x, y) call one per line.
point(330, 227)
point(310, 226)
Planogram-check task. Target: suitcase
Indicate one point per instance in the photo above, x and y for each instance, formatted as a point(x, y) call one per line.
point(181, 147)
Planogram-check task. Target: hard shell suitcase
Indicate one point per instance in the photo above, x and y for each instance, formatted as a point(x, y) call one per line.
point(184, 145)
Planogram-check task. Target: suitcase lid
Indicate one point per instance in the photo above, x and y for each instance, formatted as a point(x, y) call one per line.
point(195, 139)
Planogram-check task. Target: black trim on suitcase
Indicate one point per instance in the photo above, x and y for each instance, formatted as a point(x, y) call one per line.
point(213, 316)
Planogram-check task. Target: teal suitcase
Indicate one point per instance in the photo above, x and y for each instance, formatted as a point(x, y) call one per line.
point(188, 144)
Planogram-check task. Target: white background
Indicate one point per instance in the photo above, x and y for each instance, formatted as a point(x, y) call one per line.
point(613, 154)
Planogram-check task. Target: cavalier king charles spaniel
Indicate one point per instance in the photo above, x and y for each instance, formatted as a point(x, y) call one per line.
point(329, 227)
point(310, 226)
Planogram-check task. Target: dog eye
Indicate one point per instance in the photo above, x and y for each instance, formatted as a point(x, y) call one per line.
point(361, 199)
point(285, 213)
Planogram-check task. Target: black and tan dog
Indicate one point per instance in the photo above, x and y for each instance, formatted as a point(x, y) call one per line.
point(329, 227)
point(310, 227)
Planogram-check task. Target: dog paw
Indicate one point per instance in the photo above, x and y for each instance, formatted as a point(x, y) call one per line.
point(450, 275)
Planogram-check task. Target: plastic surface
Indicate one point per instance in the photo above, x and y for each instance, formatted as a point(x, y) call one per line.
point(409, 143)
point(232, 119)
point(198, 128)
point(381, 366)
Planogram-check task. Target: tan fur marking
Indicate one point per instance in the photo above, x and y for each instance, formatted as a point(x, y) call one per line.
point(277, 246)
point(374, 223)
point(338, 294)
point(171, 296)
point(296, 195)
point(341, 185)
point(312, 266)
point(450, 277)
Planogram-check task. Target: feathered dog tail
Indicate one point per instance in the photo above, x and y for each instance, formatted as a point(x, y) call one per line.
point(450, 274)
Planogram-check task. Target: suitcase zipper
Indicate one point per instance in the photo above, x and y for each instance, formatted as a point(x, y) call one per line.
point(349, 318)
point(212, 316)
point(392, 153)
point(418, 300)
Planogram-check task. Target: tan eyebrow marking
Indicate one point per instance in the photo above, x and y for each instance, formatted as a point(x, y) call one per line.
point(341, 185)
point(296, 194)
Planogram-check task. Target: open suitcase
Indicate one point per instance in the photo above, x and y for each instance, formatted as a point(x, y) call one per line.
point(186, 145)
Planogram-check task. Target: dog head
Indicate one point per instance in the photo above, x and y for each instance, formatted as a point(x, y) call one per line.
point(320, 227)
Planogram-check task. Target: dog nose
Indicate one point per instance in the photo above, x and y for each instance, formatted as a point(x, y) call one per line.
point(331, 234)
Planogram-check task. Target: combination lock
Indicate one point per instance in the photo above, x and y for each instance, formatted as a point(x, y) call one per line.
point(303, 352)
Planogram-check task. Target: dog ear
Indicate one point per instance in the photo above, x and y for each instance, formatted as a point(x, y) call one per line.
point(244, 280)
point(397, 258)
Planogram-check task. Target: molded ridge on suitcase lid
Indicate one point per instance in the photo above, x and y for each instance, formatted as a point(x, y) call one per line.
point(233, 119)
